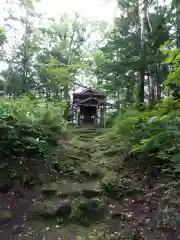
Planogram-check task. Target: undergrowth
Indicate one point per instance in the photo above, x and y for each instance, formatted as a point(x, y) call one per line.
point(30, 131)
point(148, 135)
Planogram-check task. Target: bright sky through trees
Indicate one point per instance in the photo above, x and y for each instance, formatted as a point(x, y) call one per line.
point(96, 10)
point(92, 9)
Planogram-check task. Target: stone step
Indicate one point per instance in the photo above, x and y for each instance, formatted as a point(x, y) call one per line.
point(70, 189)
point(50, 209)
point(80, 210)
point(87, 130)
point(69, 200)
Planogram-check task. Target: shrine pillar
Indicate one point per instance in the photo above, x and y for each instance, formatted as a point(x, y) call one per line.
point(102, 115)
point(98, 116)
point(77, 115)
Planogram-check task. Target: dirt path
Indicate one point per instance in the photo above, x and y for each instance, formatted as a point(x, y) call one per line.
point(17, 227)
point(152, 214)
point(136, 214)
point(16, 206)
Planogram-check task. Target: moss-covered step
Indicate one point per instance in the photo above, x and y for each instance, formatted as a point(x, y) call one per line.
point(50, 209)
point(65, 189)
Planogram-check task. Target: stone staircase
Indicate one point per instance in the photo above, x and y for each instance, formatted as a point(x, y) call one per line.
point(76, 199)
point(87, 134)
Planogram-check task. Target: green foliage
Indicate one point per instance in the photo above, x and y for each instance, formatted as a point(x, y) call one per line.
point(29, 131)
point(173, 57)
point(86, 211)
point(155, 133)
point(2, 36)
point(115, 187)
point(3, 39)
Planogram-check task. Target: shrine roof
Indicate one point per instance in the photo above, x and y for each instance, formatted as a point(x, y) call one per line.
point(89, 91)
point(90, 101)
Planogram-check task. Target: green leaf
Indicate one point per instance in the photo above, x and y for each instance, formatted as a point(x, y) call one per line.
point(137, 147)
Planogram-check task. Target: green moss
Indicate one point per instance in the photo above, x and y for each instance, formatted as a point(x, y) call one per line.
point(5, 216)
point(86, 211)
point(114, 187)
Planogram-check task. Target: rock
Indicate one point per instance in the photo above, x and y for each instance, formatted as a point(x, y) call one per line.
point(50, 189)
point(168, 210)
point(5, 216)
point(90, 193)
point(56, 166)
point(68, 188)
point(19, 192)
point(50, 209)
point(115, 210)
point(91, 190)
point(64, 209)
point(166, 218)
point(62, 188)
point(88, 211)
point(5, 185)
point(116, 188)
point(89, 170)
point(89, 206)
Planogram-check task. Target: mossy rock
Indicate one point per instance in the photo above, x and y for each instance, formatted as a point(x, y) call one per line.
point(88, 211)
point(5, 184)
point(117, 188)
point(62, 189)
point(91, 190)
point(70, 189)
point(90, 171)
point(50, 209)
point(5, 216)
point(49, 190)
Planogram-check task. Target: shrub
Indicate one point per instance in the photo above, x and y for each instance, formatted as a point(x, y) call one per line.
point(29, 131)
point(154, 133)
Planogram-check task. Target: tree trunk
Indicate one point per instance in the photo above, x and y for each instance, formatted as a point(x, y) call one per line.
point(25, 57)
point(145, 27)
point(149, 90)
point(178, 23)
point(141, 88)
point(158, 84)
point(142, 17)
point(118, 100)
point(67, 99)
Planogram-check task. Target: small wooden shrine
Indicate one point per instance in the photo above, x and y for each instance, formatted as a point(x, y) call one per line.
point(89, 108)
